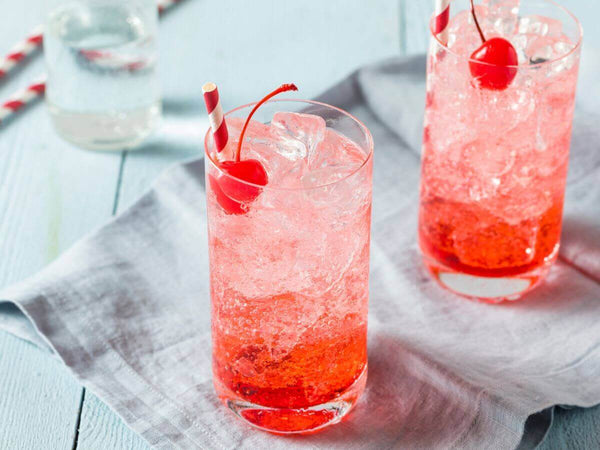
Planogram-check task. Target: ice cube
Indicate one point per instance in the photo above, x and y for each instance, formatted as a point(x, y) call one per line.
point(255, 128)
point(540, 143)
point(451, 40)
point(332, 176)
point(335, 152)
point(533, 25)
point(525, 202)
point(299, 133)
point(483, 189)
point(284, 158)
point(510, 5)
point(255, 131)
point(561, 48)
point(489, 159)
point(505, 25)
point(503, 15)
point(563, 62)
point(520, 42)
point(540, 26)
point(490, 245)
point(326, 175)
point(290, 147)
point(539, 54)
point(540, 40)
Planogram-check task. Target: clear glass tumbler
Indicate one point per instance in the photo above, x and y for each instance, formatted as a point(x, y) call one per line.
point(494, 161)
point(102, 89)
point(289, 269)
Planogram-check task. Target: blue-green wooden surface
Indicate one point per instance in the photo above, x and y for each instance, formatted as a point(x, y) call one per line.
point(51, 193)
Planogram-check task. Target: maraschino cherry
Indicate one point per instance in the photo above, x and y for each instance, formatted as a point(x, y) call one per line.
point(493, 65)
point(232, 194)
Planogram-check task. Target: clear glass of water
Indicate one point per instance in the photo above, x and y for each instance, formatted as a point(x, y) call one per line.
point(103, 89)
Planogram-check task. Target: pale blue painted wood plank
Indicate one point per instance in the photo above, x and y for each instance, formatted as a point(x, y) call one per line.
point(50, 197)
point(574, 429)
point(39, 400)
point(250, 47)
point(51, 194)
point(102, 429)
point(414, 19)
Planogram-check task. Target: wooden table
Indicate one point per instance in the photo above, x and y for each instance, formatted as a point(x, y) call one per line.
point(53, 193)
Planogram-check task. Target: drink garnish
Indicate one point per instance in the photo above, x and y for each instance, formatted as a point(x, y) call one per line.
point(234, 195)
point(493, 64)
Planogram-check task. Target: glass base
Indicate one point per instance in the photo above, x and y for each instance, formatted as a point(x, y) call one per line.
point(112, 131)
point(294, 421)
point(487, 289)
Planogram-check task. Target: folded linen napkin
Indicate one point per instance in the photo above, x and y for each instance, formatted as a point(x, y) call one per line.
point(127, 309)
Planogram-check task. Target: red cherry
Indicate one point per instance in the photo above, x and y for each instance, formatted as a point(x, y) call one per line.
point(493, 65)
point(232, 194)
point(249, 170)
point(230, 206)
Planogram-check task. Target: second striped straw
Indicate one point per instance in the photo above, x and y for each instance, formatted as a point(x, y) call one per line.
point(442, 19)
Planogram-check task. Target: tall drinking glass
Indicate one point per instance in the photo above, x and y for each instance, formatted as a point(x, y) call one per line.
point(289, 269)
point(102, 89)
point(494, 162)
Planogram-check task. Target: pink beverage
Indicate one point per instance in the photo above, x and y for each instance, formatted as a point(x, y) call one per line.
point(289, 266)
point(496, 147)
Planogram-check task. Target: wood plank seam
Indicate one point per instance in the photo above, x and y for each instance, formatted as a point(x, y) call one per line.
point(78, 423)
point(119, 182)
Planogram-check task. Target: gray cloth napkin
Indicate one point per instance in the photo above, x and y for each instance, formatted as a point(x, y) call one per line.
point(127, 309)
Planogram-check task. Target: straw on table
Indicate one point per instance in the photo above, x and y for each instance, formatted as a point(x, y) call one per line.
point(22, 98)
point(21, 50)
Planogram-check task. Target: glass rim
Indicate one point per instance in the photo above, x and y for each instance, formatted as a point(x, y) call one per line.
point(529, 65)
point(361, 125)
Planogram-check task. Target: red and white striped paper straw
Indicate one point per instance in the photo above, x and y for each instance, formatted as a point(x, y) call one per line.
point(442, 18)
point(108, 61)
point(21, 50)
point(215, 116)
point(22, 98)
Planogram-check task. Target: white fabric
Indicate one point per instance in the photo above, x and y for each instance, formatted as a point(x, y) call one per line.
point(127, 309)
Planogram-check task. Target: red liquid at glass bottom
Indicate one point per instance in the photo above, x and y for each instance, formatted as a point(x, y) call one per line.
point(478, 255)
point(312, 386)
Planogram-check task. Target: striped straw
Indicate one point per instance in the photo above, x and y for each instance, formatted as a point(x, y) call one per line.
point(98, 60)
point(215, 116)
point(442, 18)
point(20, 51)
point(22, 98)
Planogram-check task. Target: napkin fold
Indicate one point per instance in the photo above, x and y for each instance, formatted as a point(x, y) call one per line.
point(127, 309)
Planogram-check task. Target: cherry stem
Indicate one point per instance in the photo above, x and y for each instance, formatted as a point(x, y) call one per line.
point(483, 39)
point(279, 90)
